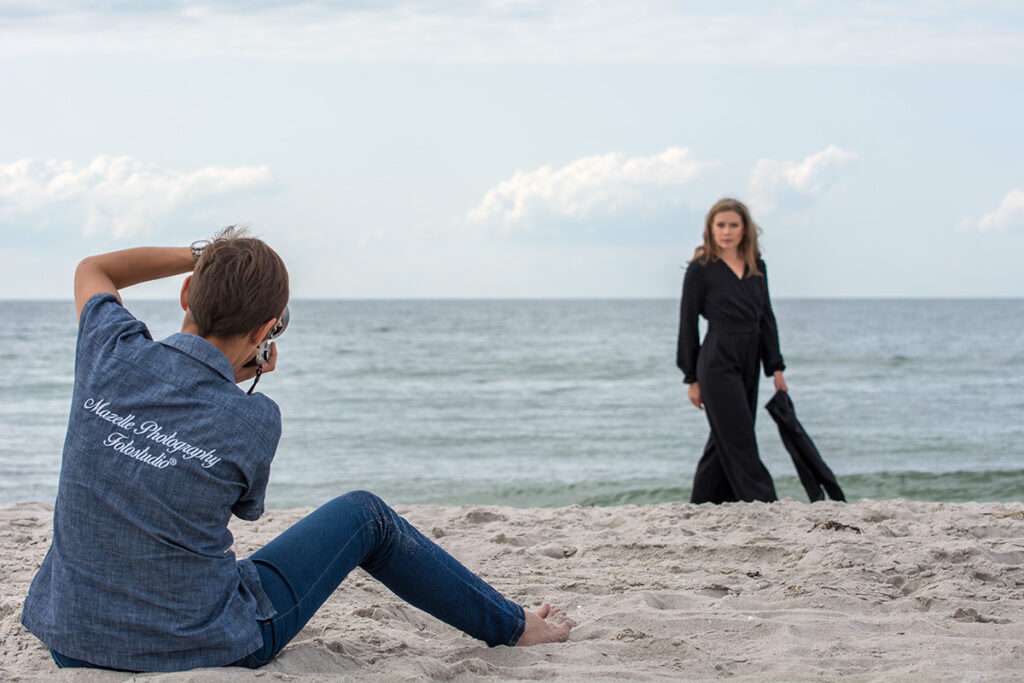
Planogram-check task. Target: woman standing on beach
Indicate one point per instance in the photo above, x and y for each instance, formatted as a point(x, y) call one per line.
point(727, 283)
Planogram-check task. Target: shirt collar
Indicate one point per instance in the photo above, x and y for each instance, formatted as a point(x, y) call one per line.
point(203, 351)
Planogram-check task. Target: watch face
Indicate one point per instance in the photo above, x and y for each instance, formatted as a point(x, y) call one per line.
point(197, 248)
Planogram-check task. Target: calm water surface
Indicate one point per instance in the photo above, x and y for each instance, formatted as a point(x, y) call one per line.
point(560, 402)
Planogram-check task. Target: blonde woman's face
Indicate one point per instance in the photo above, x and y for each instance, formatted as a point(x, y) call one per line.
point(727, 230)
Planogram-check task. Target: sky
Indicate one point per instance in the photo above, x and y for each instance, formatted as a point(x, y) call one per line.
point(402, 149)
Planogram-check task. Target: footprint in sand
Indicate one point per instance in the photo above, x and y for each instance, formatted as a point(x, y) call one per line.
point(522, 541)
point(557, 551)
point(484, 517)
point(8, 608)
point(668, 601)
point(630, 635)
point(396, 613)
point(970, 615)
point(1013, 557)
point(717, 590)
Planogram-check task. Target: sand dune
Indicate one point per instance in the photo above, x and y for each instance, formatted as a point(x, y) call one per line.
point(871, 591)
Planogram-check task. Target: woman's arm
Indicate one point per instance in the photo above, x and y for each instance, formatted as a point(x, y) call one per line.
point(690, 306)
point(771, 355)
point(119, 269)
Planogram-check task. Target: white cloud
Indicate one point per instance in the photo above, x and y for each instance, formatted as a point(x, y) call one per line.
point(1008, 215)
point(536, 32)
point(117, 195)
point(593, 188)
point(779, 184)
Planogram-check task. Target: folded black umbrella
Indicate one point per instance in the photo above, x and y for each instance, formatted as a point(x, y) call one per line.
point(814, 474)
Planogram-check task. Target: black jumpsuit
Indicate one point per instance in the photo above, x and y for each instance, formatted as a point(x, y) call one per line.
point(741, 334)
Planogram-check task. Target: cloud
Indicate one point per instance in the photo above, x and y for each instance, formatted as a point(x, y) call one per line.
point(1008, 215)
point(791, 184)
point(590, 192)
point(531, 31)
point(117, 195)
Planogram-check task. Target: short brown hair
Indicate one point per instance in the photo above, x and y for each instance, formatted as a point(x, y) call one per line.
point(238, 284)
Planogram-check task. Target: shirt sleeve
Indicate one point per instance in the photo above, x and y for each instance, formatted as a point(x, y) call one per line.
point(691, 305)
point(251, 503)
point(105, 326)
point(771, 356)
point(250, 506)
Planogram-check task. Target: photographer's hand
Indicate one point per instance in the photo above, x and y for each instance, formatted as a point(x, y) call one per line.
point(119, 269)
point(247, 372)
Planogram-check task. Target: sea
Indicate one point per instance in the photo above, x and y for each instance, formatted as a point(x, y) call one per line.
point(561, 402)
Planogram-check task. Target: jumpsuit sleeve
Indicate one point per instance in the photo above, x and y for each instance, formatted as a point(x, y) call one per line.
point(691, 305)
point(771, 356)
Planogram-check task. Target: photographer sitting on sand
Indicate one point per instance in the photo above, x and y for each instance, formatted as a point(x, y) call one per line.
point(162, 448)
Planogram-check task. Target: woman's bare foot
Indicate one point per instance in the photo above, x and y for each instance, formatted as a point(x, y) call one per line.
point(539, 630)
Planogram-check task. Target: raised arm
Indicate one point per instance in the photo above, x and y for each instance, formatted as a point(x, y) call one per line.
point(691, 305)
point(771, 356)
point(116, 270)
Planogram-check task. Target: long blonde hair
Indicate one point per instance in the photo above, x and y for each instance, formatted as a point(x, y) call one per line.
point(747, 248)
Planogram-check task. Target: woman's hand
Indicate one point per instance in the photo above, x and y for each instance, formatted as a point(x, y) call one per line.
point(247, 372)
point(780, 382)
point(694, 393)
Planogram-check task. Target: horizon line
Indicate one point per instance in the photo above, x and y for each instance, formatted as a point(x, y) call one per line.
point(884, 297)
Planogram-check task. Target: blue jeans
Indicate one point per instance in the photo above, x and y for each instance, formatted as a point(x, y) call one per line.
point(301, 568)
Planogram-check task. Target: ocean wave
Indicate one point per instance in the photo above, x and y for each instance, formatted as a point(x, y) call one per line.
point(961, 486)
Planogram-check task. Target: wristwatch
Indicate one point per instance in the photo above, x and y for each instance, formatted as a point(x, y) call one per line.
point(197, 249)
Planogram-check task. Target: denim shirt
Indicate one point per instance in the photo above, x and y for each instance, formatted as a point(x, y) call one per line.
point(162, 448)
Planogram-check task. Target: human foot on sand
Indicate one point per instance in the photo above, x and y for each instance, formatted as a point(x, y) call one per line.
point(539, 630)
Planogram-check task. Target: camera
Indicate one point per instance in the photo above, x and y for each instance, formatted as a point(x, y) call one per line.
point(263, 352)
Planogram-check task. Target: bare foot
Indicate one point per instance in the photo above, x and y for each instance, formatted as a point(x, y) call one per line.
point(539, 630)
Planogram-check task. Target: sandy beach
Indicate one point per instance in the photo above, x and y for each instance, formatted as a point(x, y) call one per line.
point(870, 591)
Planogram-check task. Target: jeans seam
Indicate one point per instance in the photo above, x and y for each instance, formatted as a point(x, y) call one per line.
point(515, 611)
point(331, 564)
point(520, 627)
point(500, 607)
point(298, 599)
point(280, 574)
